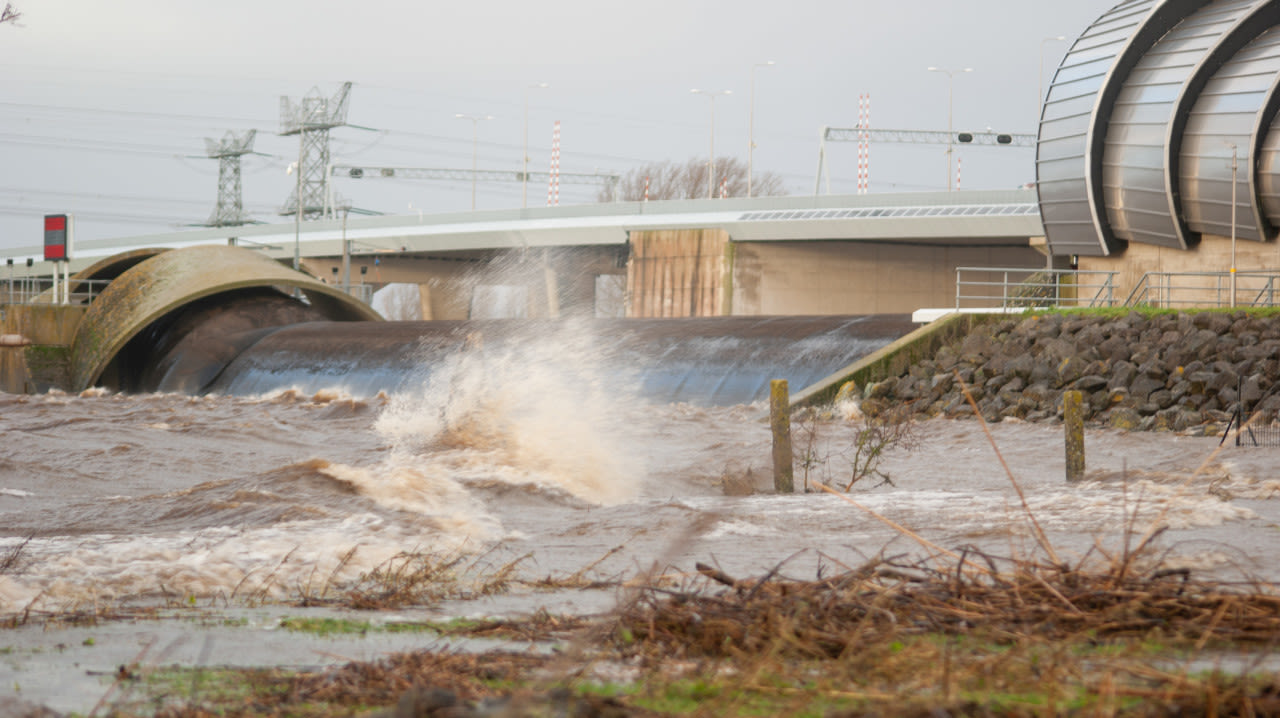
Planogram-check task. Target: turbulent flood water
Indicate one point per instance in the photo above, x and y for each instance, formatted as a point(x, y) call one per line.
point(113, 496)
point(229, 500)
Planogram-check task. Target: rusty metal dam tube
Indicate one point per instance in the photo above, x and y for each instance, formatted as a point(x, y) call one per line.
point(147, 328)
point(712, 361)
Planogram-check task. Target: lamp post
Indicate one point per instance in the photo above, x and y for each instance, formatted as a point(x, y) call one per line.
point(475, 142)
point(951, 88)
point(751, 125)
point(1040, 95)
point(295, 168)
point(711, 166)
point(524, 174)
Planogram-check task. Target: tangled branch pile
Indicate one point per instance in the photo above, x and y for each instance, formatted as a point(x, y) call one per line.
point(832, 617)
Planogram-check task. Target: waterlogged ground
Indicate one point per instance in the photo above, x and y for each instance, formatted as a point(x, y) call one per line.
point(229, 511)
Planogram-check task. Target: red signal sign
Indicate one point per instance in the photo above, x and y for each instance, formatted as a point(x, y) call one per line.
point(57, 237)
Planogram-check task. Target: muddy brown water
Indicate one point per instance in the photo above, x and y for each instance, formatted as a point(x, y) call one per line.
point(223, 501)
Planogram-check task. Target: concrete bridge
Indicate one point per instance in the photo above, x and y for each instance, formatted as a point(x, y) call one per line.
point(859, 254)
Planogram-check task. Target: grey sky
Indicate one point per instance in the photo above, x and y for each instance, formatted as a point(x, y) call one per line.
point(106, 105)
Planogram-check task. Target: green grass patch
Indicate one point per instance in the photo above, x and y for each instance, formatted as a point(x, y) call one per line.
point(1145, 311)
point(347, 627)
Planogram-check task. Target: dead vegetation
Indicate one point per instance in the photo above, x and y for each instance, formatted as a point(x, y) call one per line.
point(856, 453)
point(969, 634)
point(885, 600)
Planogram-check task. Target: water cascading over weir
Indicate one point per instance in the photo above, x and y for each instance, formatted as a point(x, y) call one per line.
point(228, 320)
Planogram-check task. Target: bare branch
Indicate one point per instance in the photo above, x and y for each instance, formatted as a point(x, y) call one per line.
point(9, 14)
point(688, 180)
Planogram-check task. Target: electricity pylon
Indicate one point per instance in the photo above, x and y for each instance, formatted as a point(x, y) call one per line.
point(230, 209)
point(311, 119)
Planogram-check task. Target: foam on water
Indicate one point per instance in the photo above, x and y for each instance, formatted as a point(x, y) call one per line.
point(286, 561)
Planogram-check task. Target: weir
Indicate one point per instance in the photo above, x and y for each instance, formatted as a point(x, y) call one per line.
point(709, 362)
point(226, 320)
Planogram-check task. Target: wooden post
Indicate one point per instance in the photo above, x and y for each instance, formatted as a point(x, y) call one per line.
point(1073, 421)
point(780, 423)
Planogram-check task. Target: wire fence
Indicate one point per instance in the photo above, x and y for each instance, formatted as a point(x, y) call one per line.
point(1255, 424)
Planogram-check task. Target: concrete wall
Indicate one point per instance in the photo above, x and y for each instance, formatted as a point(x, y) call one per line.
point(46, 362)
point(834, 277)
point(1212, 254)
point(677, 273)
point(452, 282)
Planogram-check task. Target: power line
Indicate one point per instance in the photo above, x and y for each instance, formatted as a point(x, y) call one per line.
point(132, 113)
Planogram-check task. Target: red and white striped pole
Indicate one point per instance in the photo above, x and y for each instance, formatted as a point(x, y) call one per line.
point(724, 187)
point(864, 144)
point(553, 189)
point(646, 189)
point(958, 161)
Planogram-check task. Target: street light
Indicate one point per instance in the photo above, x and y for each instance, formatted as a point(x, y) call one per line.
point(524, 175)
point(1040, 95)
point(751, 125)
point(295, 169)
point(711, 167)
point(475, 141)
point(951, 94)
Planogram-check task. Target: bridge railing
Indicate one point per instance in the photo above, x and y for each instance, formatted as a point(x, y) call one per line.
point(1003, 287)
point(363, 292)
point(37, 290)
point(40, 290)
point(1171, 290)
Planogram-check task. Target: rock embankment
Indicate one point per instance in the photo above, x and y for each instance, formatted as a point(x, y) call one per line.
point(1179, 372)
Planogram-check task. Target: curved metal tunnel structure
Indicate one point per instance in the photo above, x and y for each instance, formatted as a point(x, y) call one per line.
point(1140, 124)
point(171, 321)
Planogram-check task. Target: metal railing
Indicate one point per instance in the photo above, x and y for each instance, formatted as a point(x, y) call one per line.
point(39, 290)
point(987, 287)
point(1171, 290)
point(362, 292)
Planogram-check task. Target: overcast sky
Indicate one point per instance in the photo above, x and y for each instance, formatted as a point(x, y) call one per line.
point(106, 104)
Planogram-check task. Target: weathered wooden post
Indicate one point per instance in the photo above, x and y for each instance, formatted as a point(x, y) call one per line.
point(1073, 420)
point(780, 423)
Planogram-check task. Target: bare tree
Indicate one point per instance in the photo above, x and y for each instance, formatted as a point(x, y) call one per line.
point(674, 180)
point(9, 14)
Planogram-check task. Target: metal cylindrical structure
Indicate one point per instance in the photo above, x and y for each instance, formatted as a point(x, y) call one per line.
point(1106, 158)
point(167, 282)
point(1232, 113)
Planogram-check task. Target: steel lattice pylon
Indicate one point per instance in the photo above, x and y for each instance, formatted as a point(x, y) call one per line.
point(230, 209)
point(311, 119)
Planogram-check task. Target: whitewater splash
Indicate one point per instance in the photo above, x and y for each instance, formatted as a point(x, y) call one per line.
point(542, 411)
point(267, 496)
